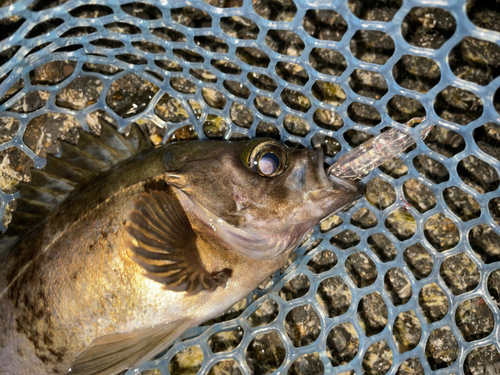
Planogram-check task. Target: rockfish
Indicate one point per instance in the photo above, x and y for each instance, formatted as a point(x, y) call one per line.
point(121, 246)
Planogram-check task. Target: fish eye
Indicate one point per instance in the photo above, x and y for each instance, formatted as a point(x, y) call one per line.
point(265, 157)
point(269, 163)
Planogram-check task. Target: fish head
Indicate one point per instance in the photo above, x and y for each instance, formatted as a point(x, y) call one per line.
point(260, 195)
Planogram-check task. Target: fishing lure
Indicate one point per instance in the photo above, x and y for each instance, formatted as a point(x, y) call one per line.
point(358, 162)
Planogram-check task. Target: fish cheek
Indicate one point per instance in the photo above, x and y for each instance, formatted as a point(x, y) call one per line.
point(220, 193)
point(279, 198)
point(260, 198)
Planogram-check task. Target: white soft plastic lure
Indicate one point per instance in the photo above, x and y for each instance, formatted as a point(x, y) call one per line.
point(358, 162)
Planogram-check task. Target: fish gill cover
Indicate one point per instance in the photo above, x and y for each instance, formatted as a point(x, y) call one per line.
point(406, 280)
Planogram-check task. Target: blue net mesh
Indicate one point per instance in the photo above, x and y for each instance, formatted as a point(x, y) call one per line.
point(406, 279)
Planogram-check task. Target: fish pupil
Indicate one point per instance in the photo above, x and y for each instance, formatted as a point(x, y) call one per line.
point(269, 163)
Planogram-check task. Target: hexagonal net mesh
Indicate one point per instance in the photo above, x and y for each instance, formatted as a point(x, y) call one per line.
point(404, 281)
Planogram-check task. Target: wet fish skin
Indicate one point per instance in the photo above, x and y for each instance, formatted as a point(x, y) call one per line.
point(72, 279)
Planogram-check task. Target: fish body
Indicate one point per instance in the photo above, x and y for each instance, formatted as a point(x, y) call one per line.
point(159, 242)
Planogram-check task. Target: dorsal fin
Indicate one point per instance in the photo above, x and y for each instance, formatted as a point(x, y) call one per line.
point(77, 164)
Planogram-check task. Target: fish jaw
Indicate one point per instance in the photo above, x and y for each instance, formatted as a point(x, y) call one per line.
point(311, 177)
point(329, 194)
point(340, 192)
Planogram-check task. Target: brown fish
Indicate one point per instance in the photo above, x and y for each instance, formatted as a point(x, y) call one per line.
point(123, 247)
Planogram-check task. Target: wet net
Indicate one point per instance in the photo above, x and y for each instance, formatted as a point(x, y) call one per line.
point(404, 281)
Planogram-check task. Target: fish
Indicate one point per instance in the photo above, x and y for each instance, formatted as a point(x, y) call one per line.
point(119, 247)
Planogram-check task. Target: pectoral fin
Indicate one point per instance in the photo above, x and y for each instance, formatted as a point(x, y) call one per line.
point(114, 353)
point(165, 245)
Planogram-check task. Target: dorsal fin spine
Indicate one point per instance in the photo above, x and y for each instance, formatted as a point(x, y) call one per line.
point(45, 174)
point(107, 153)
point(25, 186)
point(110, 133)
point(64, 166)
point(98, 140)
point(30, 205)
point(71, 148)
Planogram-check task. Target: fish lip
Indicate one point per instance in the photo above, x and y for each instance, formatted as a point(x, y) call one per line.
point(336, 183)
point(349, 186)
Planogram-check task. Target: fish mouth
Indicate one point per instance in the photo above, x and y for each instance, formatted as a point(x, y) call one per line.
point(353, 189)
point(345, 184)
point(337, 192)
